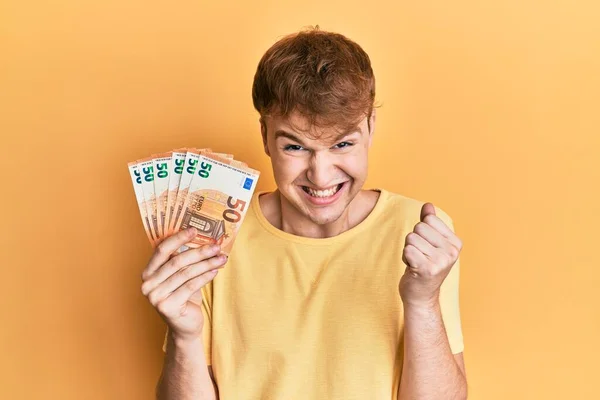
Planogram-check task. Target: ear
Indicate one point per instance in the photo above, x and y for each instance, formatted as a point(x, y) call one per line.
point(372, 126)
point(263, 131)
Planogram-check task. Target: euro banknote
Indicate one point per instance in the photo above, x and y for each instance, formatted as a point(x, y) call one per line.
point(161, 164)
point(217, 200)
point(189, 168)
point(136, 178)
point(146, 167)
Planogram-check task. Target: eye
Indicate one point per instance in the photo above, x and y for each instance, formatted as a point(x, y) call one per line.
point(343, 145)
point(292, 147)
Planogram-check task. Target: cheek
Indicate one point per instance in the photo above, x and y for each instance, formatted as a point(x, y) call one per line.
point(287, 169)
point(355, 165)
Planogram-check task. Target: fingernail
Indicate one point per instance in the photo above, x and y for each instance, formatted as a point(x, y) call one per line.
point(214, 247)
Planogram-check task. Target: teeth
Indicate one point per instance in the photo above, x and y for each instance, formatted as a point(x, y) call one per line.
point(323, 193)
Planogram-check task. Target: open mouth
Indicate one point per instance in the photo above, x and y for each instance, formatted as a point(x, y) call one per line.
point(323, 193)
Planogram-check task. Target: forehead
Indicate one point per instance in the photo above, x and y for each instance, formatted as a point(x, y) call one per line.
point(300, 126)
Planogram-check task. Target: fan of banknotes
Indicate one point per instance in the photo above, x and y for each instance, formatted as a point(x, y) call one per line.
point(193, 187)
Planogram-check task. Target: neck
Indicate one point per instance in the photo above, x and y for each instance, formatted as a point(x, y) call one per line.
point(281, 214)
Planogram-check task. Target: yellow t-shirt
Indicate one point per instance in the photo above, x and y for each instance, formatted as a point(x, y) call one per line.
point(291, 317)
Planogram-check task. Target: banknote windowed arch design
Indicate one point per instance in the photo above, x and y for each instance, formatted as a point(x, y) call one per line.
point(193, 188)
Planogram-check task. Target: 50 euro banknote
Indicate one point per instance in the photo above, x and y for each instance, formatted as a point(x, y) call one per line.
point(143, 205)
point(217, 201)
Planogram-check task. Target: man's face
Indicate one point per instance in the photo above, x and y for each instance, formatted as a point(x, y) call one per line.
point(318, 177)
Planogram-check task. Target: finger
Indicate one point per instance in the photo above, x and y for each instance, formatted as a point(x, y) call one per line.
point(184, 275)
point(427, 209)
point(183, 293)
point(440, 226)
point(431, 235)
point(180, 261)
point(421, 244)
point(416, 260)
point(444, 230)
point(165, 249)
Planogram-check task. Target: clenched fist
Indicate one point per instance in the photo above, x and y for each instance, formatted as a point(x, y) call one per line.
point(172, 283)
point(430, 251)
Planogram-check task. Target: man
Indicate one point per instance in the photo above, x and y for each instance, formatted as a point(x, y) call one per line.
point(331, 291)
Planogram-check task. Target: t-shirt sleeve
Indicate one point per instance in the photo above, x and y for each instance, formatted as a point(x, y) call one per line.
point(203, 298)
point(449, 299)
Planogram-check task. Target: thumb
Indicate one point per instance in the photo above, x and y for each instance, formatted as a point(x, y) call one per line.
point(427, 209)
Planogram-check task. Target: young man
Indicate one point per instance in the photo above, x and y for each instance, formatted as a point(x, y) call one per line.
point(331, 291)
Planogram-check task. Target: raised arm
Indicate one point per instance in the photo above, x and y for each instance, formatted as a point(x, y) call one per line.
point(430, 370)
point(169, 282)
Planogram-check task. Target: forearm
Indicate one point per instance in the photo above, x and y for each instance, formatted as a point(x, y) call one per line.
point(429, 370)
point(185, 373)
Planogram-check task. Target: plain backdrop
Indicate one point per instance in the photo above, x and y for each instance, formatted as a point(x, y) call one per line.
point(490, 110)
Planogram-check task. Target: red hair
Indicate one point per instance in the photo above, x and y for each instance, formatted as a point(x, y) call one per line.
point(324, 76)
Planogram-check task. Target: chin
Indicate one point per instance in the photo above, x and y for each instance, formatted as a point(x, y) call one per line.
point(324, 219)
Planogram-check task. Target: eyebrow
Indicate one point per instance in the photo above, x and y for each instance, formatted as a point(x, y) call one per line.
point(281, 133)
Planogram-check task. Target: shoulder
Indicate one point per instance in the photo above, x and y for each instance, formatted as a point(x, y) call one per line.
point(408, 208)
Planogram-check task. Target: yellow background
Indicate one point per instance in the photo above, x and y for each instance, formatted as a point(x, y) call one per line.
point(491, 110)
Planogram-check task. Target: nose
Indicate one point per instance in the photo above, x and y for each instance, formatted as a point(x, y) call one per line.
point(321, 170)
